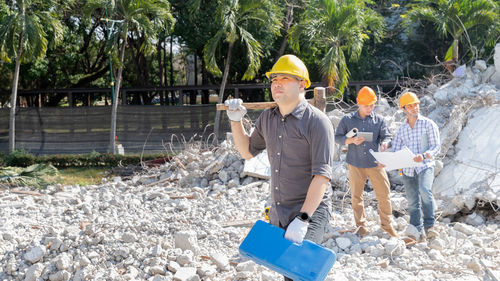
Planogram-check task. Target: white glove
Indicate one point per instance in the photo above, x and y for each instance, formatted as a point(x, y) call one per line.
point(296, 230)
point(236, 111)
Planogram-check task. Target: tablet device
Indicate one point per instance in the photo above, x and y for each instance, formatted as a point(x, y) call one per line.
point(368, 136)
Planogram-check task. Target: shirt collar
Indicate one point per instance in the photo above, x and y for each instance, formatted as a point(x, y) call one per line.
point(298, 112)
point(419, 118)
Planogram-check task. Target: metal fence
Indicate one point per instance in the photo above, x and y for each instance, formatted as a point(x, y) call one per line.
point(83, 129)
point(57, 130)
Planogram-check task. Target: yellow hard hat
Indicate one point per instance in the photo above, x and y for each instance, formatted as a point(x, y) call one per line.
point(408, 98)
point(291, 65)
point(366, 96)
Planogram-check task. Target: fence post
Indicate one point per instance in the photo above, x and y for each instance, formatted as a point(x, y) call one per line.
point(70, 99)
point(124, 96)
point(320, 98)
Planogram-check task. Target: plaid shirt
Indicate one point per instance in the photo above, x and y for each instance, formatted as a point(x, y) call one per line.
point(422, 138)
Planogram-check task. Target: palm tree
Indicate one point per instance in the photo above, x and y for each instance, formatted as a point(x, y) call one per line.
point(456, 17)
point(334, 29)
point(23, 38)
point(238, 19)
point(131, 17)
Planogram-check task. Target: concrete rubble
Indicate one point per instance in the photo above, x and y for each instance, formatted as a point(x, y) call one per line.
point(184, 220)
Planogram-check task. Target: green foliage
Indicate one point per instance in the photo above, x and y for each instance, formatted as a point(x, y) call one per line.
point(238, 20)
point(33, 176)
point(338, 40)
point(336, 31)
point(473, 23)
point(21, 158)
point(28, 24)
point(145, 18)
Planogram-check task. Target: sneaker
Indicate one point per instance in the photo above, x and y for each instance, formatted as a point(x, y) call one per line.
point(362, 231)
point(422, 238)
point(431, 232)
point(389, 229)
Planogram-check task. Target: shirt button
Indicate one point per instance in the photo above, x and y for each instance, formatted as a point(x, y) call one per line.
point(278, 203)
point(279, 136)
point(282, 119)
point(276, 170)
point(278, 153)
point(276, 187)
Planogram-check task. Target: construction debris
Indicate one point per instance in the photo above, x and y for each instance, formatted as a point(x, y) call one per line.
point(184, 220)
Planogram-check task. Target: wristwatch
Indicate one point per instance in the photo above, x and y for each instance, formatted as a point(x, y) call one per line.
point(303, 216)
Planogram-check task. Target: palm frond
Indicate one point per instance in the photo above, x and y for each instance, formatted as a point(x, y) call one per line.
point(209, 53)
point(338, 26)
point(32, 176)
point(254, 52)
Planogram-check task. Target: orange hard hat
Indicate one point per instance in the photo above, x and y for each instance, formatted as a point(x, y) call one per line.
point(408, 98)
point(366, 96)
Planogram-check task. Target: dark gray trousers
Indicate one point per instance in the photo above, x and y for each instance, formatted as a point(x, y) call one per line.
point(317, 226)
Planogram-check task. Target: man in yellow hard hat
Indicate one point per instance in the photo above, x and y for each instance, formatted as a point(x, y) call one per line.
point(299, 141)
point(421, 136)
point(362, 164)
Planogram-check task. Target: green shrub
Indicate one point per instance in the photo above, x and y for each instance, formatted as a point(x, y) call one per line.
point(20, 158)
point(2, 159)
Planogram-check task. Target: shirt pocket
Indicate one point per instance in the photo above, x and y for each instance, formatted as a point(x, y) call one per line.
point(296, 149)
point(297, 158)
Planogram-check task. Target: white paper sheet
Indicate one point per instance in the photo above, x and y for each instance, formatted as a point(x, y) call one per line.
point(396, 160)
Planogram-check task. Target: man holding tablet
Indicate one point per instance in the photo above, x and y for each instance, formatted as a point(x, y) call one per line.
point(372, 133)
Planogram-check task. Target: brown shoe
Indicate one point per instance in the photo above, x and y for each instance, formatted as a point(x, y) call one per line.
point(389, 229)
point(422, 238)
point(362, 231)
point(431, 232)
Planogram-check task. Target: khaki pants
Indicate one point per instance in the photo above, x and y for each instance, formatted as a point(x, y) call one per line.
point(381, 187)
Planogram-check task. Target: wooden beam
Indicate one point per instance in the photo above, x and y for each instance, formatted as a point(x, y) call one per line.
point(250, 105)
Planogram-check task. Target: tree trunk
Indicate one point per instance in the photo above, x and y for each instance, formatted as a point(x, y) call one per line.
point(194, 93)
point(165, 69)
point(171, 60)
point(286, 27)
point(13, 102)
point(160, 67)
point(222, 87)
point(13, 96)
point(205, 94)
point(172, 93)
point(455, 51)
point(112, 134)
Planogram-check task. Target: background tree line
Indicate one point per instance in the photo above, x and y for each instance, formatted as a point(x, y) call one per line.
point(46, 44)
point(236, 41)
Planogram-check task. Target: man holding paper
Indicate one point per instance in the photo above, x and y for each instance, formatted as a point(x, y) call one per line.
point(420, 135)
point(353, 130)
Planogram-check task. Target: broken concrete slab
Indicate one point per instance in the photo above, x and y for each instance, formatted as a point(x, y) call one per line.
point(258, 166)
point(474, 168)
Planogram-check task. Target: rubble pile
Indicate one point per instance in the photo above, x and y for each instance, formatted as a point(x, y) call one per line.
point(184, 220)
point(465, 110)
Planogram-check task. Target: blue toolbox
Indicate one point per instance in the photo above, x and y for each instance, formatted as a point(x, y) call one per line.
point(266, 245)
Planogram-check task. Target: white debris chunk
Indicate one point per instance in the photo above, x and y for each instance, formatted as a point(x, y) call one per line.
point(35, 254)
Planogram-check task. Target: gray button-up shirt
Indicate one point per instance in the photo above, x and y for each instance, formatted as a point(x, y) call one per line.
point(299, 146)
point(359, 155)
